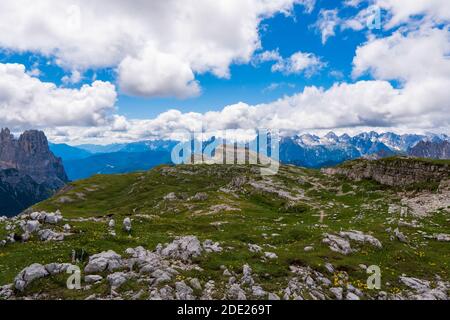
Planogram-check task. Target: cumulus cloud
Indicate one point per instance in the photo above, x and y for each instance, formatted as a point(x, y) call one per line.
point(187, 37)
point(404, 11)
point(365, 104)
point(420, 102)
point(25, 101)
point(158, 75)
point(417, 55)
point(298, 63)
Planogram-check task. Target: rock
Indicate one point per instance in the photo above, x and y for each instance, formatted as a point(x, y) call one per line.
point(235, 292)
point(442, 237)
point(195, 283)
point(200, 196)
point(183, 291)
point(209, 291)
point(107, 260)
point(247, 278)
point(28, 275)
point(26, 237)
point(116, 280)
point(395, 172)
point(337, 292)
point(171, 197)
point(361, 237)
point(423, 289)
point(337, 244)
point(222, 208)
point(67, 228)
point(57, 268)
point(111, 224)
point(31, 226)
point(166, 293)
point(6, 292)
point(29, 171)
point(183, 248)
point(400, 236)
point(416, 284)
point(127, 225)
point(329, 267)
point(159, 275)
point(351, 296)
point(273, 297)
point(53, 218)
point(254, 248)
point(93, 278)
point(50, 235)
point(258, 292)
point(308, 249)
point(270, 255)
point(211, 246)
point(227, 273)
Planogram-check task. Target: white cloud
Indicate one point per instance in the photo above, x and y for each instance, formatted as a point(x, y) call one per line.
point(158, 75)
point(25, 101)
point(403, 11)
point(415, 56)
point(74, 77)
point(299, 62)
point(327, 23)
point(308, 4)
point(362, 104)
point(195, 36)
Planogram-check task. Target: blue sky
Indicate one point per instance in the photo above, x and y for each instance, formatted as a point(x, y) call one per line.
point(125, 101)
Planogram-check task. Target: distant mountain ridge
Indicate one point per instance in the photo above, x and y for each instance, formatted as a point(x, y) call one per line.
point(29, 171)
point(305, 150)
point(431, 149)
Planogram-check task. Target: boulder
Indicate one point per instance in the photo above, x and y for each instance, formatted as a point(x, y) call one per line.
point(258, 292)
point(235, 292)
point(183, 291)
point(53, 218)
point(116, 280)
point(442, 237)
point(337, 292)
point(107, 260)
point(127, 224)
point(270, 255)
point(337, 244)
point(171, 197)
point(57, 268)
point(28, 275)
point(31, 226)
point(183, 248)
point(254, 248)
point(400, 236)
point(92, 278)
point(50, 235)
point(211, 246)
point(358, 236)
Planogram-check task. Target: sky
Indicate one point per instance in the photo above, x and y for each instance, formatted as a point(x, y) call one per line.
point(108, 71)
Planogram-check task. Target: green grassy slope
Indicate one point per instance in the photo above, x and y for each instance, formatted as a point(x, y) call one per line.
point(265, 217)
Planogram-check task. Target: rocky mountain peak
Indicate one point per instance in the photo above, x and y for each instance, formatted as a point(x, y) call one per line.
point(30, 155)
point(33, 142)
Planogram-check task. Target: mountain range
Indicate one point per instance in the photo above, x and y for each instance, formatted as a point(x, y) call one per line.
point(305, 150)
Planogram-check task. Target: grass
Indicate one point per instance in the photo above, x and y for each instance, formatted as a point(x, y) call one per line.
point(264, 219)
